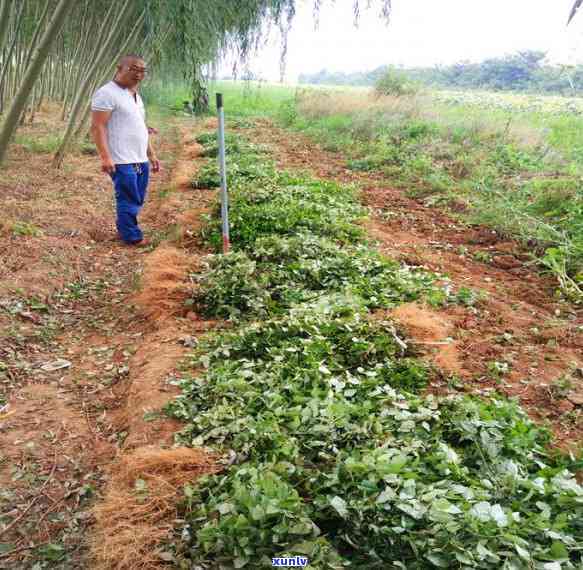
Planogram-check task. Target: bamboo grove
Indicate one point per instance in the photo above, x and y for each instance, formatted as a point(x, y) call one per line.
point(61, 50)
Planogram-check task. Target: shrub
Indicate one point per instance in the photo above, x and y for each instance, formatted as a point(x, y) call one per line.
point(395, 83)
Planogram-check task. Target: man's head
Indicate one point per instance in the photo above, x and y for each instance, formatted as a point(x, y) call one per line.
point(131, 69)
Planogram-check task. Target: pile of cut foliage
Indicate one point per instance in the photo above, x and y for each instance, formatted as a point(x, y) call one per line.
point(316, 402)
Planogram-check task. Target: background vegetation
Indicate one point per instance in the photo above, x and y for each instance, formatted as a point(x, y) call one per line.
point(522, 71)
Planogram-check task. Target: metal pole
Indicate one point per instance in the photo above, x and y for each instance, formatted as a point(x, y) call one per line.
point(223, 170)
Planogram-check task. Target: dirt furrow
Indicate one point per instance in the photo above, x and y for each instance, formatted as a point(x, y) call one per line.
point(93, 426)
point(138, 509)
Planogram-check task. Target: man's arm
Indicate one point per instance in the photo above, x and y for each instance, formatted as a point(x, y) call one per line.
point(152, 157)
point(99, 120)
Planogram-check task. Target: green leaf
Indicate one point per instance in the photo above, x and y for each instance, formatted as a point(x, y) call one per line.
point(307, 547)
point(339, 506)
point(414, 509)
point(522, 552)
point(464, 558)
point(52, 552)
point(558, 551)
point(301, 528)
point(386, 495)
point(438, 560)
point(225, 508)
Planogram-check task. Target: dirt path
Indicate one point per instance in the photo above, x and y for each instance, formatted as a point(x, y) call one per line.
point(132, 525)
point(517, 339)
point(88, 356)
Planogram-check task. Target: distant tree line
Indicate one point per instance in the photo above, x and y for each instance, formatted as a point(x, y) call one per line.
point(522, 71)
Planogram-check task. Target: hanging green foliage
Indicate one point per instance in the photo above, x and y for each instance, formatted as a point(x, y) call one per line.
point(199, 32)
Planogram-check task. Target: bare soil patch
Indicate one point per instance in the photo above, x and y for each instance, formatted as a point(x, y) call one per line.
point(112, 316)
point(432, 333)
point(165, 283)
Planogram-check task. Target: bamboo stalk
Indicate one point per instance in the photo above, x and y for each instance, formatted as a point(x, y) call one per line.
point(32, 73)
point(7, 62)
point(83, 124)
point(5, 6)
point(34, 40)
point(83, 90)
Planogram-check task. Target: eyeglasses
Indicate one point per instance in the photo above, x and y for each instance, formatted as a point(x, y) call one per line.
point(139, 70)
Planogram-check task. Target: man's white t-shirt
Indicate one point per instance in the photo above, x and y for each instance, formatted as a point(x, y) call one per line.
point(127, 133)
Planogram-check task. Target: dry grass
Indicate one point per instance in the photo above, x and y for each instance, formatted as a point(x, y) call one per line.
point(137, 514)
point(372, 110)
point(315, 104)
point(165, 271)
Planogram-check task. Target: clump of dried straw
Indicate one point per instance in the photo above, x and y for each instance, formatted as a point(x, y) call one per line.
point(164, 283)
point(137, 513)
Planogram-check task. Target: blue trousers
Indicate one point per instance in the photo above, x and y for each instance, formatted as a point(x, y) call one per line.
point(130, 182)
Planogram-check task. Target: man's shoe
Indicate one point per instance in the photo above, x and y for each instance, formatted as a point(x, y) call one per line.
point(138, 243)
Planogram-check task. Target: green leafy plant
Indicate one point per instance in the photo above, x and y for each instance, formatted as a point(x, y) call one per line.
point(333, 451)
point(334, 461)
point(483, 256)
point(285, 204)
point(234, 145)
point(241, 167)
point(498, 369)
point(280, 271)
point(25, 229)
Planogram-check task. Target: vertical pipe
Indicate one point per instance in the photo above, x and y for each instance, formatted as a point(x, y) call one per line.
point(223, 170)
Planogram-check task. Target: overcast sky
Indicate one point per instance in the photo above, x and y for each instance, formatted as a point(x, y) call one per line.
point(422, 32)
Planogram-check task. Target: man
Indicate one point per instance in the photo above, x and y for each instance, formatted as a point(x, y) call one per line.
point(122, 139)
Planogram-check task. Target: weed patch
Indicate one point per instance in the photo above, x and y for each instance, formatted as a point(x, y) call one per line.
point(39, 145)
point(527, 191)
point(25, 229)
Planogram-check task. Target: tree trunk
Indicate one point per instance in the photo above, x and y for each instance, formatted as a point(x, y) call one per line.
point(85, 56)
point(200, 94)
point(32, 73)
point(83, 89)
point(7, 62)
point(4, 20)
